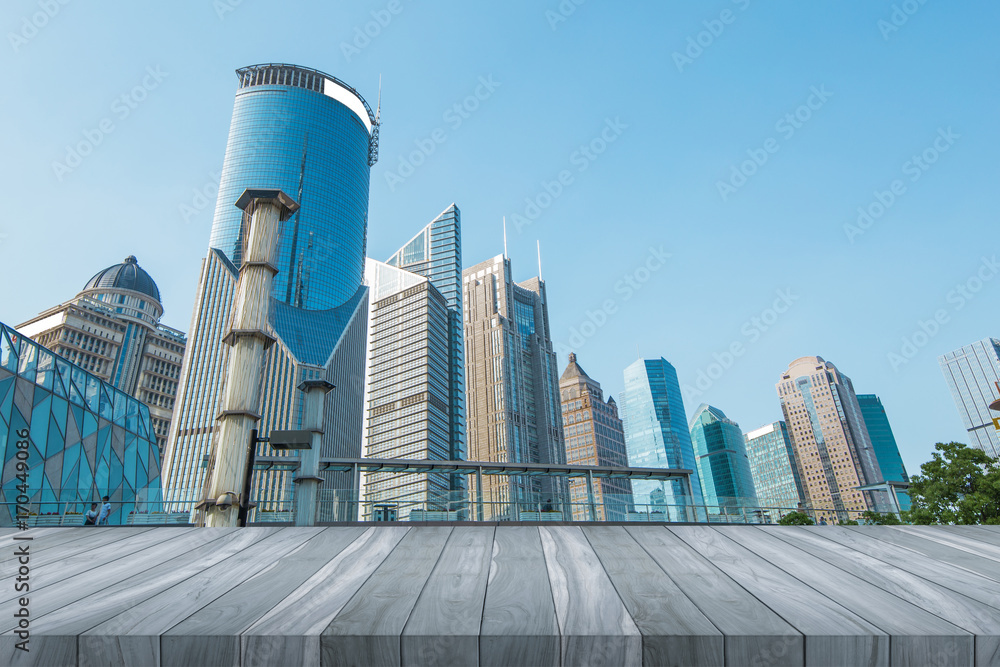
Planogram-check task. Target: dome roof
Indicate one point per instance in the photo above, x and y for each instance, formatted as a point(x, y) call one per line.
point(125, 276)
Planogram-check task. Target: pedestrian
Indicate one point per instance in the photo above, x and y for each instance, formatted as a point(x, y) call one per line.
point(102, 520)
point(91, 515)
point(822, 521)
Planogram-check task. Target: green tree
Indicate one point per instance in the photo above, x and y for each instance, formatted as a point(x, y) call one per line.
point(873, 518)
point(960, 485)
point(796, 519)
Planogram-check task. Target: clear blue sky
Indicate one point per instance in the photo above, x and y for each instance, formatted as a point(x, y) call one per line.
point(673, 130)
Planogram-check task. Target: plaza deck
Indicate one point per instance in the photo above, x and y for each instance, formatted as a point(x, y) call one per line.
point(506, 595)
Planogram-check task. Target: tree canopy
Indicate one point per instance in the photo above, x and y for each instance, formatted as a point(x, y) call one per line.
point(960, 485)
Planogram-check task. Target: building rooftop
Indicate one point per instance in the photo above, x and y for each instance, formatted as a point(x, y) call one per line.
point(125, 276)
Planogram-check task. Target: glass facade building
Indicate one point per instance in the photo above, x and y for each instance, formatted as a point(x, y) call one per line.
point(723, 467)
point(773, 467)
point(314, 137)
point(86, 439)
point(972, 372)
point(657, 436)
point(884, 442)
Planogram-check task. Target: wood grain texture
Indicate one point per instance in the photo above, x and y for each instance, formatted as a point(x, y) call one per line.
point(443, 628)
point(519, 618)
point(212, 634)
point(932, 548)
point(834, 635)
point(291, 630)
point(674, 631)
point(754, 634)
point(958, 540)
point(367, 630)
point(914, 633)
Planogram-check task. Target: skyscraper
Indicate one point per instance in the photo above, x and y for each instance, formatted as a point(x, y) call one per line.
point(774, 469)
point(832, 447)
point(314, 137)
point(112, 329)
point(512, 390)
point(594, 436)
point(723, 467)
point(657, 436)
point(884, 443)
point(972, 372)
point(415, 393)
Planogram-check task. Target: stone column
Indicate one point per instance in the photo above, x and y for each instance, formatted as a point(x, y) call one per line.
point(308, 479)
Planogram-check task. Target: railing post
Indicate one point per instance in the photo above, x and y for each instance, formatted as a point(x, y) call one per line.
point(590, 495)
point(479, 493)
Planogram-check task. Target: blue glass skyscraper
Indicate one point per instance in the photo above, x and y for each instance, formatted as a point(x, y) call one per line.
point(656, 434)
point(972, 372)
point(723, 467)
point(884, 444)
point(774, 468)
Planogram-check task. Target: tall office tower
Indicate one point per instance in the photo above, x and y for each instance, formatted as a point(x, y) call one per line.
point(415, 393)
point(773, 467)
point(112, 329)
point(832, 447)
point(595, 437)
point(972, 372)
point(723, 466)
point(512, 386)
point(886, 451)
point(657, 436)
point(314, 137)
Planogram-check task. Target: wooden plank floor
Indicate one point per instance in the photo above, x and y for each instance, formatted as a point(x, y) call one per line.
point(505, 595)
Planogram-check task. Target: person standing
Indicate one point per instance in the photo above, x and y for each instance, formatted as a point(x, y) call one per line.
point(102, 520)
point(91, 516)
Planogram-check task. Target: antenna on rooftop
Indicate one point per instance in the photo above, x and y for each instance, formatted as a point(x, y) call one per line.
point(538, 246)
point(505, 237)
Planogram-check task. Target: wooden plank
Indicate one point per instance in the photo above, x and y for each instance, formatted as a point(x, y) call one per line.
point(963, 611)
point(289, 634)
point(367, 630)
point(212, 634)
point(134, 634)
point(51, 536)
point(519, 618)
point(596, 627)
point(754, 634)
point(956, 540)
point(978, 533)
point(674, 631)
point(936, 550)
point(443, 628)
point(833, 634)
point(914, 633)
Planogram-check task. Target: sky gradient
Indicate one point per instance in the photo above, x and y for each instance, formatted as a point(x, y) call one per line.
point(693, 172)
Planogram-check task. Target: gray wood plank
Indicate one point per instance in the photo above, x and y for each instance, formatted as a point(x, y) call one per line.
point(834, 635)
point(936, 550)
point(443, 628)
point(519, 618)
point(367, 630)
point(951, 539)
point(50, 536)
point(914, 633)
point(754, 634)
point(963, 611)
point(212, 634)
point(596, 627)
point(978, 533)
point(134, 634)
point(674, 631)
point(290, 632)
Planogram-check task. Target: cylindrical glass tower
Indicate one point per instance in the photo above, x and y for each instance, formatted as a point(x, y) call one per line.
point(314, 137)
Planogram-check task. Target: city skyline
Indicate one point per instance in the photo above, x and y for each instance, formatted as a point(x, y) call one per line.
point(185, 105)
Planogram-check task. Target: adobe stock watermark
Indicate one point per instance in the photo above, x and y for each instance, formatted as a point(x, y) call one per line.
point(786, 126)
point(223, 7)
point(900, 14)
point(363, 35)
point(626, 288)
point(581, 158)
point(453, 116)
point(698, 43)
point(915, 167)
point(956, 298)
point(201, 197)
point(31, 25)
point(122, 107)
point(562, 12)
point(751, 331)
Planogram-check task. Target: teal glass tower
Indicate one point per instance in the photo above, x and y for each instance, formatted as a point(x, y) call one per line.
point(773, 467)
point(884, 444)
point(723, 466)
point(657, 436)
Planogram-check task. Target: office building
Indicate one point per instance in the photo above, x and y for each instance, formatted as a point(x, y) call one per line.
point(595, 437)
point(112, 329)
point(657, 436)
point(972, 373)
point(774, 470)
point(85, 438)
point(884, 443)
point(415, 393)
point(512, 387)
point(315, 138)
point(723, 468)
point(832, 446)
